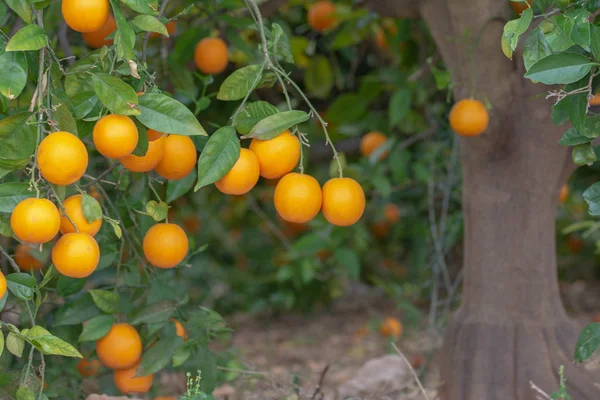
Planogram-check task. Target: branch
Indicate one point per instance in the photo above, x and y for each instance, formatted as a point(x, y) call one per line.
point(64, 43)
point(395, 8)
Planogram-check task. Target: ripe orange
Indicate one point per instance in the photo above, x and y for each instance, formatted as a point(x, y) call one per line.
point(371, 142)
point(564, 194)
point(121, 347)
point(211, 55)
point(62, 158)
point(85, 16)
point(595, 101)
point(165, 245)
point(147, 162)
point(25, 260)
point(171, 28)
point(298, 198)
point(392, 213)
point(127, 381)
point(179, 329)
point(469, 117)
point(343, 201)
point(88, 367)
point(391, 327)
point(115, 136)
point(153, 135)
point(321, 16)
point(179, 158)
point(35, 221)
point(76, 255)
point(277, 156)
point(3, 285)
point(242, 177)
point(520, 7)
point(73, 207)
point(98, 38)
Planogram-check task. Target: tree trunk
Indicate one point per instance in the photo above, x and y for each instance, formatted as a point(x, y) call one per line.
point(511, 327)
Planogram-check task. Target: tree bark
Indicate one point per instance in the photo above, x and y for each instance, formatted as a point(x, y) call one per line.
point(511, 327)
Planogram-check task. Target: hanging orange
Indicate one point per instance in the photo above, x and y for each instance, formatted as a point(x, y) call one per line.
point(211, 55)
point(321, 16)
point(120, 348)
point(179, 158)
point(76, 255)
point(98, 38)
point(243, 175)
point(85, 15)
point(277, 156)
point(35, 221)
point(147, 162)
point(469, 117)
point(127, 381)
point(74, 210)
point(62, 158)
point(298, 198)
point(115, 136)
point(343, 201)
point(165, 245)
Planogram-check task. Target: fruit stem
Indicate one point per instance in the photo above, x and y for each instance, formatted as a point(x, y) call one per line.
point(62, 207)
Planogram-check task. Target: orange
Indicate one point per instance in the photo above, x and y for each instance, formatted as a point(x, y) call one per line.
point(391, 327)
point(98, 38)
point(575, 244)
point(321, 16)
point(179, 158)
point(165, 245)
point(88, 367)
point(380, 35)
point(115, 136)
point(25, 260)
point(392, 213)
point(298, 198)
point(147, 162)
point(62, 158)
point(595, 101)
point(3, 285)
point(76, 255)
point(277, 156)
point(192, 224)
point(469, 117)
point(120, 348)
point(127, 381)
point(35, 221)
point(242, 177)
point(179, 329)
point(153, 135)
point(520, 7)
point(85, 15)
point(73, 207)
point(94, 193)
point(564, 194)
point(371, 142)
point(211, 55)
point(380, 229)
point(343, 201)
point(171, 28)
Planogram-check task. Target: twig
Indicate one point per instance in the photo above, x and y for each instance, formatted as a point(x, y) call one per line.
point(99, 177)
point(321, 381)
point(64, 44)
point(10, 259)
point(412, 371)
point(540, 391)
point(163, 6)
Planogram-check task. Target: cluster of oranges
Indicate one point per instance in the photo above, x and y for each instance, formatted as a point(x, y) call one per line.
point(298, 197)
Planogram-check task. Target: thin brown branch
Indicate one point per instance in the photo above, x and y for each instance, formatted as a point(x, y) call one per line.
point(64, 44)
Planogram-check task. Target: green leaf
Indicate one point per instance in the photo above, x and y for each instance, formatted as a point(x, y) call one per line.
point(280, 45)
point(581, 34)
point(240, 83)
point(15, 344)
point(116, 228)
point(180, 187)
point(149, 23)
point(158, 356)
point(49, 344)
point(125, 35)
point(25, 393)
point(253, 113)
point(83, 104)
point(595, 42)
point(22, 9)
point(116, 95)
point(18, 140)
point(559, 38)
point(349, 260)
point(158, 211)
point(1, 341)
point(142, 146)
point(573, 137)
point(592, 197)
point(14, 74)
point(577, 108)
point(583, 154)
point(96, 328)
point(77, 311)
point(21, 285)
point(156, 312)
point(591, 127)
point(30, 37)
point(536, 48)
point(12, 194)
point(562, 68)
point(62, 115)
point(218, 157)
point(274, 125)
point(67, 286)
point(165, 114)
point(399, 105)
point(208, 365)
point(142, 6)
point(348, 107)
point(587, 342)
point(106, 300)
point(318, 77)
point(181, 355)
point(91, 208)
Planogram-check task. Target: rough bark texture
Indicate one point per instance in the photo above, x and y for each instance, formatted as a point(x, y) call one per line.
point(511, 327)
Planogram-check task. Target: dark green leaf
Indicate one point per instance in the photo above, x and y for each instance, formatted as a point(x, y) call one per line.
point(17, 139)
point(159, 355)
point(149, 23)
point(106, 300)
point(253, 113)
point(13, 78)
point(96, 328)
point(584, 154)
point(276, 124)
point(83, 103)
point(595, 42)
point(30, 37)
point(347, 258)
point(21, 285)
point(77, 311)
point(536, 48)
point(165, 114)
point(573, 137)
point(181, 355)
point(218, 157)
point(587, 342)
point(178, 188)
point(116, 95)
point(155, 313)
point(22, 8)
point(125, 36)
point(399, 105)
point(318, 77)
point(559, 38)
point(240, 83)
point(142, 6)
point(47, 343)
point(12, 194)
point(67, 286)
point(562, 68)
point(581, 30)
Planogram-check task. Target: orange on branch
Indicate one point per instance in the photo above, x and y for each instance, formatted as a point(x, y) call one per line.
point(211, 56)
point(76, 255)
point(3, 285)
point(179, 329)
point(564, 194)
point(115, 136)
point(85, 15)
point(179, 158)
point(89, 368)
point(62, 158)
point(127, 381)
point(74, 210)
point(520, 7)
point(298, 198)
point(277, 156)
point(165, 245)
point(469, 117)
point(371, 142)
point(392, 213)
point(147, 162)
point(25, 260)
point(120, 348)
point(321, 16)
point(242, 177)
point(98, 38)
point(343, 201)
point(391, 327)
point(192, 224)
point(35, 221)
